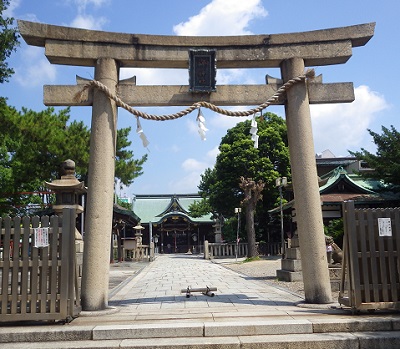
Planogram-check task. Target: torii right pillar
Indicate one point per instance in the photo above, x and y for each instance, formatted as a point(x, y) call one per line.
point(317, 287)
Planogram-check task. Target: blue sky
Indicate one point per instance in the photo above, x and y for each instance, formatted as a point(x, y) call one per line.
point(176, 154)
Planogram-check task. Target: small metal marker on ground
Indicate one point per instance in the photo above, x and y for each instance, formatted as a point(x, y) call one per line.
point(206, 291)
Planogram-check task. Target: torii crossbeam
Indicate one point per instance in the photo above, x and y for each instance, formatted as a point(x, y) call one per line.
point(108, 52)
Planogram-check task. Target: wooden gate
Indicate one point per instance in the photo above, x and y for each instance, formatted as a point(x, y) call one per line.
point(371, 263)
point(37, 268)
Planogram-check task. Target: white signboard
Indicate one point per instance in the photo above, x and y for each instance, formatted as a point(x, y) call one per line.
point(41, 236)
point(385, 227)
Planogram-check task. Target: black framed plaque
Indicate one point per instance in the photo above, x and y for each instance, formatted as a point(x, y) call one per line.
point(202, 70)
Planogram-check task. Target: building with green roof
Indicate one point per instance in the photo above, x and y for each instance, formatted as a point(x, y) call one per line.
point(168, 223)
point(340, 180)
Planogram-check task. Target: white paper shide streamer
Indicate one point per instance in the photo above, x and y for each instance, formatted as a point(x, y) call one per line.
point(141, 134)
point(201, 123)
point(253, 131)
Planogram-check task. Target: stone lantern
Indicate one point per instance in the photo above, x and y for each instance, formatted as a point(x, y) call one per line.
point(67, 189)
point(138, 234)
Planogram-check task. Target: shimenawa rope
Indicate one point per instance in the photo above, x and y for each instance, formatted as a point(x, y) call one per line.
point(309, 74)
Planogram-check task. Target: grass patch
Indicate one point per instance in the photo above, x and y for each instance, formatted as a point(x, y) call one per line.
point(251, 259)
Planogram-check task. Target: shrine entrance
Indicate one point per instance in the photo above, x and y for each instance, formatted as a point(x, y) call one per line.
point(167, 222)
point(108, 52)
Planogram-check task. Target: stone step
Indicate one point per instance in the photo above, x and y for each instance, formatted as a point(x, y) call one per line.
point(199, 330)
point(337, 340)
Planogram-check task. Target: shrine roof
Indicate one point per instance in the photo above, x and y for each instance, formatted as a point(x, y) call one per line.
point(125, 214)
point(354, 187)
point(153, 208)
point(356, 182)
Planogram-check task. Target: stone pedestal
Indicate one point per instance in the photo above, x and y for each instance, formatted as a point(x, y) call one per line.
point(291, 265)
point(335, 275)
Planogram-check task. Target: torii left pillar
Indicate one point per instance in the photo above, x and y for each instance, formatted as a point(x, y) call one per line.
point(99, 213)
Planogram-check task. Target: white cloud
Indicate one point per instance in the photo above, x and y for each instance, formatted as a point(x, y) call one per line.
point(230, 76)
point(83, 4)
point(152, 76)
point(30, 17)
point(38, 72)
point(192, 127)
point(343, 127)
point(193, 165)
point(212, 156)
point(186, 184)
point(88, 22)
point(222, 17)
point(192, 169)
point(14, 4)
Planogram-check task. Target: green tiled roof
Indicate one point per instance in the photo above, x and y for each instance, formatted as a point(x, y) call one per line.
point(130, 215)
point(362, 185)
point(366, 189)
point(359, 183)
point(152, 208)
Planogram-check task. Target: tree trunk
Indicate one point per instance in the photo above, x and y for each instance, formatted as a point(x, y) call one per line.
point(251, 234)
point(252, 193)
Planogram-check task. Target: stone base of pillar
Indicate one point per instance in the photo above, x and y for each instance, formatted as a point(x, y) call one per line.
point(335, 274)
point(291, 264)
point(291, 267)
point(289, 276)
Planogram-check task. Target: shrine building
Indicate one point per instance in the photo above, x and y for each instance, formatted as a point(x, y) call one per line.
point(166, 220)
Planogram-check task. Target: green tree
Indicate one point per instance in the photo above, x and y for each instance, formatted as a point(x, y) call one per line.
point(335, 229)
point(8, 41)
point(385, 163)
point(220, 186)
point(34, 144)
point(201, 208)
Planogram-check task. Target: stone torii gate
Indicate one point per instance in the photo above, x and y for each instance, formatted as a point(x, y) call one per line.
point(108, 52)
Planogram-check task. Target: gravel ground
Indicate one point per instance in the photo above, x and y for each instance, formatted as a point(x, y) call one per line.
point(265, 269)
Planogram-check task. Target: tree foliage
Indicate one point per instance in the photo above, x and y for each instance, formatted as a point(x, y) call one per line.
point(8, 41)
point(220, 186)
point(335, 229)
point(34, 144)
point(385, 163)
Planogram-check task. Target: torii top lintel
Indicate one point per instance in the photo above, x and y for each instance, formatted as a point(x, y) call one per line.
point(81, 47)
